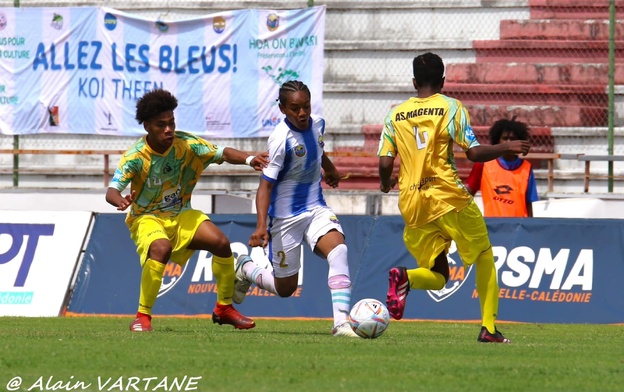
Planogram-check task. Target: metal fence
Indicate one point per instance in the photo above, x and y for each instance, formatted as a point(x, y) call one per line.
point(557, 65)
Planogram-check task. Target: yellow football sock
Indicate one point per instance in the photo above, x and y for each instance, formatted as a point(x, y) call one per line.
point(223, 271)
point(151, 279)
point(487, 288)
point(425, 279)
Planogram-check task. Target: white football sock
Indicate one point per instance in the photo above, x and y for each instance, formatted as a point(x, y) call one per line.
point(262, 277)
point(339, 283)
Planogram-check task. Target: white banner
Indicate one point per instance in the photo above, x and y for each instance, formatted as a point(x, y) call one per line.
point(80, 70)
point(38, 254)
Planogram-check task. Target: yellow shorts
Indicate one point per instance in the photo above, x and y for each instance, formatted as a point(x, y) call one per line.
point(179, 230)
point(466, 227)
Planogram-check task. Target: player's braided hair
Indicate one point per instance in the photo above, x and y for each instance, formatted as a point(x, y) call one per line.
point(519, 129)
point(428, 70)
point(290, 87)
point(153, 103)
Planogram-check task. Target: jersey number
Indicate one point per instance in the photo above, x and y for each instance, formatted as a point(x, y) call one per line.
point(421, 138)
point(154, 182)
point(282, 255)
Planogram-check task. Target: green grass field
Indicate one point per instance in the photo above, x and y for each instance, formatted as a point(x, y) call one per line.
point(292, 355)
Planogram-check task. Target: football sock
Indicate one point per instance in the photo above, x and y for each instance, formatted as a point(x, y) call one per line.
point(339, 283)
point(262, 277)
point(151, 279)
point(487, 288)
point(425, 279)
point(223, 271)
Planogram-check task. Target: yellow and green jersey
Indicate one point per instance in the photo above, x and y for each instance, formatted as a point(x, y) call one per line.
point(421, 132)
point(164, 182)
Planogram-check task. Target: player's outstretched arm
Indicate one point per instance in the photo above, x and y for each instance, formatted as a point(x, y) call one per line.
point(237, 157)
point(488, 152)
point(114, 198)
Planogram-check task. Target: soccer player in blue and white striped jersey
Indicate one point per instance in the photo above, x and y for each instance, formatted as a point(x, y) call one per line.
point(291, 209)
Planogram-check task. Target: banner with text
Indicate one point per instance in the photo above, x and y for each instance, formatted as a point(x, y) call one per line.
point(549, 270)
point(80, 70)
point(39, 252)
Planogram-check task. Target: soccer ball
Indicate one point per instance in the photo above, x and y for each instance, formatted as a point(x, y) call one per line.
point(369, 318)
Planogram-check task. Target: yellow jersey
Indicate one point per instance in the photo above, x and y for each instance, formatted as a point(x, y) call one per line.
point(164, 182)
point(421, 132)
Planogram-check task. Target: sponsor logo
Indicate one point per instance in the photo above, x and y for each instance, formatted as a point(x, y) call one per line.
point(3, 21)
point(171, 198)
point(470, 134)
point(110, 21)
point(545, 275)
point(18, 244)
point(272, 22)
point(271, 122)
point(162, 26)
point(527, 275)
point(218, 24)
point(108, 118)
point(16, 298)
point(503, 190)
point(280, 75)
point(54, 118)
point(172, 275)
point(215, 124)
point(57, 21)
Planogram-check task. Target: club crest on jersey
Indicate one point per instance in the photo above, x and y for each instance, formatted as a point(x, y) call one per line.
point(171, 276)
point(470, 134)
point(457, 276)
point(300, 151)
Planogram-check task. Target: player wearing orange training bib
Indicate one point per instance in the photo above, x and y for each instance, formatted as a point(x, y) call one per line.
point(507, 184)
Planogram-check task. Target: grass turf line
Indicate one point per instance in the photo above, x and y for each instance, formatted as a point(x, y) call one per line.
point(287, 355)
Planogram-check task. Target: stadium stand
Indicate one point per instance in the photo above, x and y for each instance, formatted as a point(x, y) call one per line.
point(545, 61)
point(550, 71)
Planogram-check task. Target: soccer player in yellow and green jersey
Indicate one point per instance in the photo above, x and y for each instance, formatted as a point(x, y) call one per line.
point(162, 169)
point(434, 203)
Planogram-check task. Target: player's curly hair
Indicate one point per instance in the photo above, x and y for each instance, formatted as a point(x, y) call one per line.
point(290, 87)
point(428, 70)
point(519, 129)
point(153, 103)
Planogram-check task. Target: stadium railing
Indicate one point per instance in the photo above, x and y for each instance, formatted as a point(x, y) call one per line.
point(588, 176)
point(108, 170)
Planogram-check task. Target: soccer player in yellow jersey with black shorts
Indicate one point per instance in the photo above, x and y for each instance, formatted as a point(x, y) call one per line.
point(433, 201)
point(162, 169)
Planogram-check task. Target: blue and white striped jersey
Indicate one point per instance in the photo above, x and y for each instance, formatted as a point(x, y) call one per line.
point(295, 168)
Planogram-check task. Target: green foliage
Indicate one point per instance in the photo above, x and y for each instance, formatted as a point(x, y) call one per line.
point(295, 355)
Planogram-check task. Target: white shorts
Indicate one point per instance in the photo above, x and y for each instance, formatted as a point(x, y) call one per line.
point(287, 235)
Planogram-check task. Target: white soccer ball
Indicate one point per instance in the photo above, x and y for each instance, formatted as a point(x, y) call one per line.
point(369, 318)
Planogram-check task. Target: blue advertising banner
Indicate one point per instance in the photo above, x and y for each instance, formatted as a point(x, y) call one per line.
point(549, 270)
point(80, 70)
